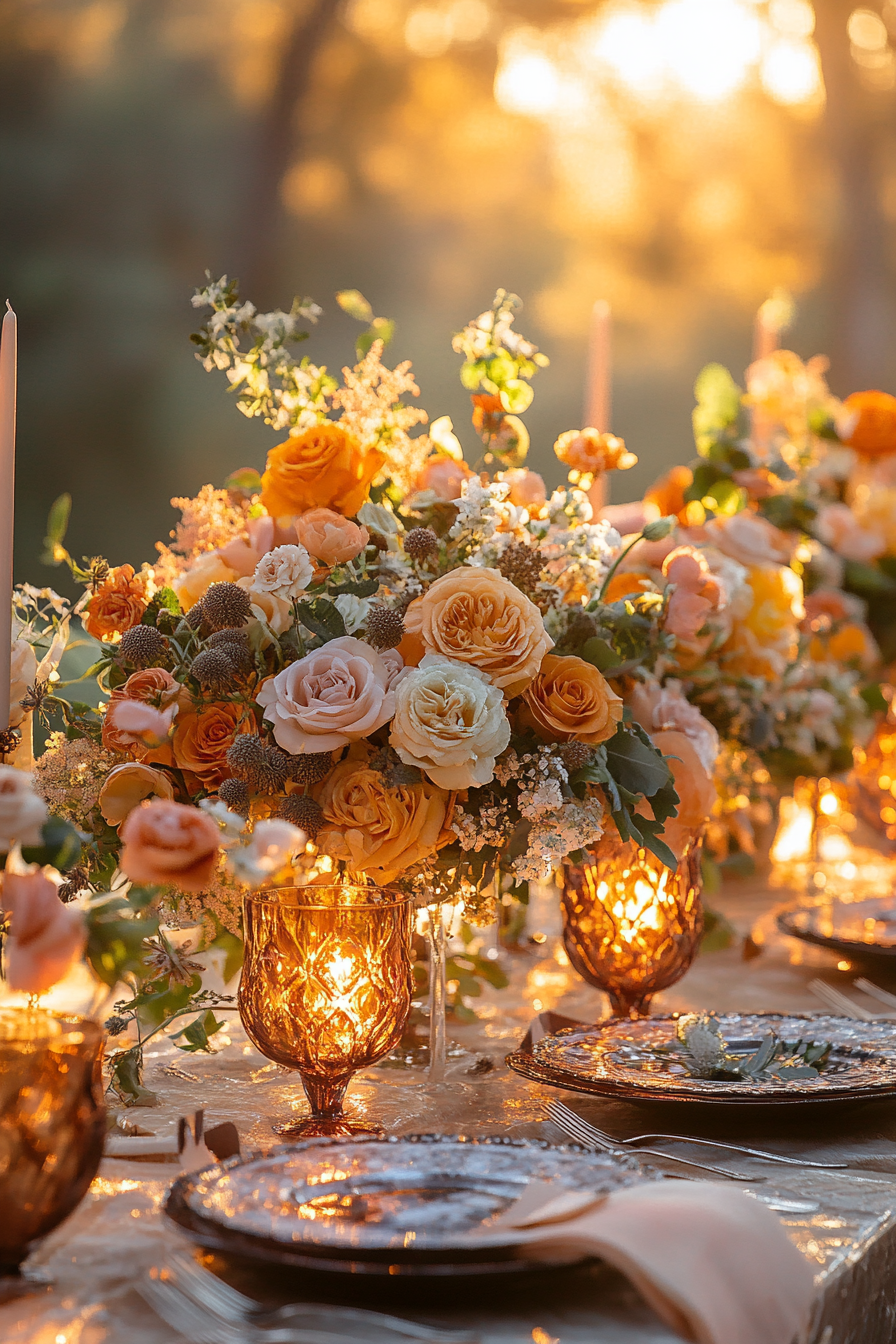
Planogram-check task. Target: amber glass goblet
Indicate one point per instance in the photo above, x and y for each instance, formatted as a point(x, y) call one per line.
point(326, 988)
point(631, 925)
point(52, 1127)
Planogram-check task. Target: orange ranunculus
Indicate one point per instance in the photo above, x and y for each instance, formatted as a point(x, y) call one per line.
point(589, 450)
point(329, 538)
point(127, 785)
point(626, 583)
point(477, 616)
point(488, 412)
point(117, 605)
point(874, 432)
point(169, 844)
point(204, 735)
point(378, 829)
point(323, 467)
point(667, 493)
point(695, 788)
point(154, 686)
point(569, 701)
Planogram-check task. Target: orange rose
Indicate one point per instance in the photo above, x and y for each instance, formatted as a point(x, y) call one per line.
point(375, 828)
point(203, 736)
point(667, 493)
point(569, 701)
point(329, 537)
point(117, 605)
point(874, 431)
point(589, 450)
point(155, 687)
point(324, 467)
point(168, 844)
point(628, 583)
point(477, 616)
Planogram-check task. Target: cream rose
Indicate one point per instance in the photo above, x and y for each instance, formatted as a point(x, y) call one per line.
point(22, 813)
point(353, 610)
point(335, 695)
point(23, 673)
point(477, 616)
point(127, 785)
point(286, 571)
point(450, 722)
point(838, 527)
point(271, 615)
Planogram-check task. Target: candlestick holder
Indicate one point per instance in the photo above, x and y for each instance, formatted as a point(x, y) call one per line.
point(52, 1128)
point(326, 989)
point(632, 926)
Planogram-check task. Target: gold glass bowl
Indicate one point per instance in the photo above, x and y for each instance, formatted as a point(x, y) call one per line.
point(52, 1125)
point(326, 987)
point(632, 926)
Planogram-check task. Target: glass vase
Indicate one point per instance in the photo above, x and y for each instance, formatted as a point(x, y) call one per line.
point(326, 989)
point(437, 943)
point(52, 1128)
point(632, 926)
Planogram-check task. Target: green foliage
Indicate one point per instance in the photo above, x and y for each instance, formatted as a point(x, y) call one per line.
point(874, 698)
point(116, 932)
point(57, 526)
point(716, 415)
point(126, 1071)
point(497, 360)
point(322, 617)
point(628, 767)
point(197, 1035)
point(60, 845)
point(351, 301)
point(245, 479)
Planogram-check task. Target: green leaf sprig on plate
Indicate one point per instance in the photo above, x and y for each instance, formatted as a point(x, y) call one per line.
point(701, 1049)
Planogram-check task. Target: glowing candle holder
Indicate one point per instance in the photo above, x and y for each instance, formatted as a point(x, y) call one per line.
point(326, 988)
point(52, 1129)
point(632, 926)
point(874, 775)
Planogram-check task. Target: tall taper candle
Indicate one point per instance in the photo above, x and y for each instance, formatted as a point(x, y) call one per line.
point(8, 359)
point(598, 387)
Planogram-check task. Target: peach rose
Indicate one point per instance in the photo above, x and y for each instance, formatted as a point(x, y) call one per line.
point(203, 736)
point(191, 586)
point(750, 539)
point(825, 606)
point(117, 605)
point(154, 686)
point(570, 701)
point(168, 844)
point(477, 616)
point(127, 785)
point(527, 489)
point(22, 812)
point(590, 450)
point(271, 615)
point(138, 726)
point(696, 598)
point(377, 829)
point(838, 527)
point(337, 694)
point(330, 538)
point(659, 708)
point(323, 467)
point(667, 492)
point(263, 534)
point(629, 518)
point(46, 938)
point(444, 477)
point(695, 788)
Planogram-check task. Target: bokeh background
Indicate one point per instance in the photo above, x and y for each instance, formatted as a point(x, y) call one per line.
point(681, 158)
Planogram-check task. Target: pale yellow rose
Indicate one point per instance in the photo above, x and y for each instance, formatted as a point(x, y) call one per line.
point(127, 785)
point(450, 722)
point(765, 639)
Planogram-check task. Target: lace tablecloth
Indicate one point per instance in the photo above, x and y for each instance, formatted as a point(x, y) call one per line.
point(99, 1255)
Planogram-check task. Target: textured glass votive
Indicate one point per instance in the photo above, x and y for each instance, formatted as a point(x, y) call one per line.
point(52, 1126)
point(874, 776)
point(632, 926)
point(326, 987)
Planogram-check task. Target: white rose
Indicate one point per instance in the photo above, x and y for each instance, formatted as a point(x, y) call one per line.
point(22, 812)
point(353, 611)
point(450, 722)
point(286, 571)
point(23, 673)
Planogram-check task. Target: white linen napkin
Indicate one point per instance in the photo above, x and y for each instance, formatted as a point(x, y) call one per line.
point(715, 1265)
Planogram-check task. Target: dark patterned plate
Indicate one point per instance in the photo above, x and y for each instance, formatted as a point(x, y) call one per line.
point(616, 1059)
point(400, 1205)
point(860, 930)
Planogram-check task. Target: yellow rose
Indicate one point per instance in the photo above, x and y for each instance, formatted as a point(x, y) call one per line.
point(764, 640)
point(194, 584)
point(324, 467)
point(569, 701)
point(378, 829)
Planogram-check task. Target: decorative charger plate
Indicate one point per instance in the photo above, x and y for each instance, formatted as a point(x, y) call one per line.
point(858, 929)
point(617, 1059)
point(403, 1206)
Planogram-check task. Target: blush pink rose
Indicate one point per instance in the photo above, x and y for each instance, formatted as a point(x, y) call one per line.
point(335, 695)
point(330, 538)
point(838, 527)
point(243, 554)
point(527, 489)
point(136, 724)
point(661, 709)
point(168, 844)
point(444, 477)
point(46, 938)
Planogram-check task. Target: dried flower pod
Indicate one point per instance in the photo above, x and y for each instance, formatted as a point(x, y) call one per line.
point(194, 617)
point(384, 627)
point(310, 766)
point(225, 604)
point(575, 755)
point(213, 669)
point(277, 767)
point(247, 757)
point(303, 811)
point(420, 543)
point(522, 565)
point(143, 645)
point(234, 794)
point(229, 635)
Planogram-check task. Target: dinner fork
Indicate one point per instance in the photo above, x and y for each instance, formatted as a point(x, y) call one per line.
point(579, 1129)
point(199, 1326)
point(560, 1113)
point(845, 1007)
point(875, 992)
point(208, 1291)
